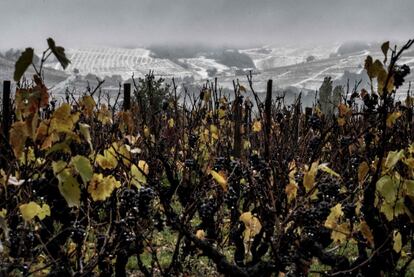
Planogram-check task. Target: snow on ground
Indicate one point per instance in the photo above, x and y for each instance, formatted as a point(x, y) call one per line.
point(269, 57)
point(120, 61)
point(201, 64)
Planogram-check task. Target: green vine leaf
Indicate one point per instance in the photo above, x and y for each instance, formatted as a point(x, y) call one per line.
point(59, 53)
point(24, 61)
point(83, 167)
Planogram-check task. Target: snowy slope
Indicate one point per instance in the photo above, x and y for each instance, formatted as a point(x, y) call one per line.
point(120, 61)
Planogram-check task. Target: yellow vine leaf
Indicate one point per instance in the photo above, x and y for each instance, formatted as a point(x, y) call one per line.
point(291, 191)
point(200, 234)
point(87, 104)
point(214, 131)
point(126, 121)
point(44, 211)
point(392, 118)
point(29, 210)
point(104, 115)
point(409, 187)
point(171, 123)
point(139, 173)
point(124, 152)
point(382, 80)
point(387, 188)
point(324, 167)
point(85, 131)
point(341, 121)
point(392, 159)
point(366, 232)
point(18, 136)
point(333, 217)
point(68, 185)
point(309, 176)
point(363, 170)
point(100, 187)
point(252, 224)
point(257, 126)
point(63, 120)
point(3, 213)
point(344, 110)
point(107, 160)
point(397, 246)
point(341, 232)
point(220, 178)
point(32, 209)
point(69, 188)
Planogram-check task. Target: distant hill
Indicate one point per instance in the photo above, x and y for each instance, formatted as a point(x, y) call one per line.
point(288, 66)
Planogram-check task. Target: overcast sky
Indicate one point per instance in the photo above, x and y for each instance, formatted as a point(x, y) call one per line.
point(132, 23)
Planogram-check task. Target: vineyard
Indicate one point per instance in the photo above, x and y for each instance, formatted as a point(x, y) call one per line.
point(163, 183)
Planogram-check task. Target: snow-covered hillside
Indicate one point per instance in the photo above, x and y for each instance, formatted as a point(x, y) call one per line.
point(120, 61)
point(302, 67)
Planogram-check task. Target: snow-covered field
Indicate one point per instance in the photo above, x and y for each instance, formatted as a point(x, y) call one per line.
point(120, 61)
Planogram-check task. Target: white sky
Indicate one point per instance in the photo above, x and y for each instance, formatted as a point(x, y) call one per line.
point(131, 23)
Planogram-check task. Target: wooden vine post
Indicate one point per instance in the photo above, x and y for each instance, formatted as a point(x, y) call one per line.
point(268, 117)
point(127, 96)
point(5, 124)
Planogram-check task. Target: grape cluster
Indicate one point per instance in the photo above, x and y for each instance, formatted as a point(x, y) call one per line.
point(315, 122)
point(232, 196)
point(192, 140)
point(146, 197)
point(315, 142)
point(220, 164)
point(22, 241)
point(400, 72)
point(78, 234)
point(206, 211)
point(329, 189)
point(137, 202)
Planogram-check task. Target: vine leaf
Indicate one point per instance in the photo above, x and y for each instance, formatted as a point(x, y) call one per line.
point(220, 178)
point(324, 167)
point(252, 224)
point(392, 159)
point(139, 173)
point(107, 160)
point(363, 170)
point(333, 217)
point(100, 188)
point(341, 232)
point(68, 185)
point(366, 232)
point(83, 167)
point(309, 176)
point(387, 188)
point(87, 104)
point(291, 191)
point(409, 187)
point(385, 47)
point(59, 53)
point(18, 136)
point(24, 61)
point(200, 234)
point(391, 118)
point(257, 126)
point(32, 209)
point(63, 120)
point(85, 131)
point(397, 246)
